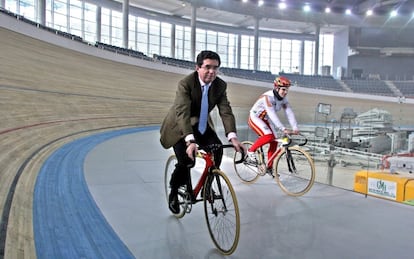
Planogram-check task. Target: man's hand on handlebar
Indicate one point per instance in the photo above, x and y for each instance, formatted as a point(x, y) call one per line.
point(291, 132)
point(238, 145)
point(191, 150)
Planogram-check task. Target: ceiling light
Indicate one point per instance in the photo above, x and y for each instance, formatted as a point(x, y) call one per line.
point(369, 12)
point(245, 1)
point(393, 13)
point(282, 5)
point(348, 11)
point(306, 8)
point(260, 3)
point(327, 10)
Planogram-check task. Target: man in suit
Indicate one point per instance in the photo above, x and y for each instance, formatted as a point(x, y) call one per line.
point(184, 125)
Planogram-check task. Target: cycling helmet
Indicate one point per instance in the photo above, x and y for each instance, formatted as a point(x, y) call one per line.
point(281, 81)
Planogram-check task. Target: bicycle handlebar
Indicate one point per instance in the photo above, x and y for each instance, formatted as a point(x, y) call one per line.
point(210, 149)
point(305, 140)
point(288, 141)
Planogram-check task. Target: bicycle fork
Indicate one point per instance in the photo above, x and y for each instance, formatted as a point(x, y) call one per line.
point(212, 196)
point(289, 160)
point(261, 163)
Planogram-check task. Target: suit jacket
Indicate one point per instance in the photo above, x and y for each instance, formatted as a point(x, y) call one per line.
point(185, 111)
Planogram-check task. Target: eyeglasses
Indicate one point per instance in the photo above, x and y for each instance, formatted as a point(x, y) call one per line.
point(209, 67)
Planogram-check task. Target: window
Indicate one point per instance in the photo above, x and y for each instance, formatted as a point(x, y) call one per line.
point(246, 55)
point(179, 42)
point(166, 39)
point(232, 50)
point(90, 22)
point(187, 44)
point(76, 17)
point(27, 9)
point(326, 50)
point(154, 37)
point(116, 27)
point(296, 56)
point(264, 54)
point(211, 41)
point(200, 41)
point(309, 58)
point(275, 56)
point(60, 17)
point(142, 35)
point(105, 26)
point(11, 5)
point(286, 57)
point(222, 48)
point(132, 32)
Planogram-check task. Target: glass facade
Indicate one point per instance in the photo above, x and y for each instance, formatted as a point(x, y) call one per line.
point(151, 36)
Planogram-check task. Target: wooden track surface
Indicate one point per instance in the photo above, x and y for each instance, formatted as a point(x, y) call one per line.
point(50, 95)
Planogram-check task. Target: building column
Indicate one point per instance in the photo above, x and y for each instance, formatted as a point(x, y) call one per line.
point(125, 29)
point(256, 44)
point(172, 40)
point(98, 23)
point(193, 31)
point(41, 12)
point(238, 55)
point(317, 32)
point(302, 57)
point(3, 4)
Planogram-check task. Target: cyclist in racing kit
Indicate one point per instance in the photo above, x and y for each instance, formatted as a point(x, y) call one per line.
point(265, 111)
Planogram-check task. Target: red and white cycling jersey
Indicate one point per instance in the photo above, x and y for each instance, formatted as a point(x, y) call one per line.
point(267, 106)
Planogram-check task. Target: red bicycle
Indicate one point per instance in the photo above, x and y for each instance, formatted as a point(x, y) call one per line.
point(214, 189)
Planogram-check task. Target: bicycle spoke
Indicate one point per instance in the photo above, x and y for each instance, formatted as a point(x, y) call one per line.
point(246, 171)
point(169, 169)
point(222, 214)
point(295, 171)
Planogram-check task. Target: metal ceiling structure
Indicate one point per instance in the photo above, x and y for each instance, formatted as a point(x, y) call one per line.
point(240, 14)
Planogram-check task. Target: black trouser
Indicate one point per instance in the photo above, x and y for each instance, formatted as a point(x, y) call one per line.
point(181, 173)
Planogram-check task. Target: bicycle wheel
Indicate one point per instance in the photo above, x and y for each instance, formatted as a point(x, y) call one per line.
point(169, 169)
point(295, 174)
point(246, 171)
point(222, 212)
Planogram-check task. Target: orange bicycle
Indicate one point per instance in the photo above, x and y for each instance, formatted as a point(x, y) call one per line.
point(214, 189)
point(293, 168)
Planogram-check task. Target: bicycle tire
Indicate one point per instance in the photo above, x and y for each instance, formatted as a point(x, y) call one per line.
point(246, 172)
point(299, 182)
point(221, 212)
point(169, 169)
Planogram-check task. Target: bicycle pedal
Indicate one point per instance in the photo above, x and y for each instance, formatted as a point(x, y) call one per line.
point(261, 169)
point(188, 208)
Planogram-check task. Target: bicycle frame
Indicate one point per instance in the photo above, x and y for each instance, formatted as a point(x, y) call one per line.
point(283, 147)
point(278, 150)
point(208, 158)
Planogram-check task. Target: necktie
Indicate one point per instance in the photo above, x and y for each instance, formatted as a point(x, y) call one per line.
point(202, 123)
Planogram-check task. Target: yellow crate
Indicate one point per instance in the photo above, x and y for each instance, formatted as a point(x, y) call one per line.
point(383, 185)
point(409, 190)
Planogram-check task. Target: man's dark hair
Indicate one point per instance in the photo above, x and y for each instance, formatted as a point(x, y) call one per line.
point(207, 54)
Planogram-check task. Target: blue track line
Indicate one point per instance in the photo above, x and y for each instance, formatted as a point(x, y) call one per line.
point(67, 222)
